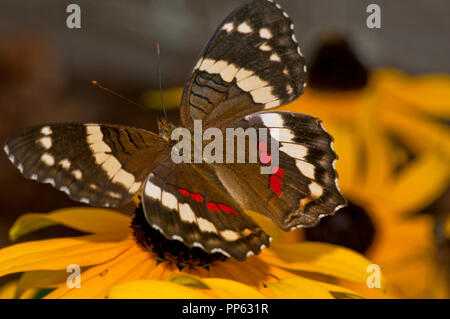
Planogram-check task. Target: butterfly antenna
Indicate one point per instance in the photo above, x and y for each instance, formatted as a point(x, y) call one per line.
point(158, 53)
point(117, 94)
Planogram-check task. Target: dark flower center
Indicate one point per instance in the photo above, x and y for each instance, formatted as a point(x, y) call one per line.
point(336, 67)
point(351, 227)
point(169, 250)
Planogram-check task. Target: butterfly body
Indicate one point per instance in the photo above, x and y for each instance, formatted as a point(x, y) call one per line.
point(165, 129)
point(251, 65)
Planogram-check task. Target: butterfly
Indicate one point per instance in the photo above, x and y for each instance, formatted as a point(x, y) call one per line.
point(251, 64)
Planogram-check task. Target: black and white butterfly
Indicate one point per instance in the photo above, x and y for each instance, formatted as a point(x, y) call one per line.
point(252, 64)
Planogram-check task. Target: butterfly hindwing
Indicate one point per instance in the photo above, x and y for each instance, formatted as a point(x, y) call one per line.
point(253, 62)
point(188, 203)
point(103, 165)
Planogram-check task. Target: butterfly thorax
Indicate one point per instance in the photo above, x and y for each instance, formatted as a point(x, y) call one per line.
point(165, 128)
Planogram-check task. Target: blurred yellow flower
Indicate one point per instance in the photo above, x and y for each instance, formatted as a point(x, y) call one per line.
point(172, 97)
point(394, 149)
point(113, 264)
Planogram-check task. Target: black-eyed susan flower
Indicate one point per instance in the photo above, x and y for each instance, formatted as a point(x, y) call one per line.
point(394, 149)
point(119, 261)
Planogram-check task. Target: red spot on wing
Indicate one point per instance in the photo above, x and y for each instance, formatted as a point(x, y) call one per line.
point(184, 192)
point(224, 208)
point(212, 206)
point(227, 209)
point(197, 197)
point(275, 184)
point(278, 171)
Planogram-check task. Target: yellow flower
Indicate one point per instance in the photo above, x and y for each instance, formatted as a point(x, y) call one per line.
point(379, 176)
point(113, 264)
point(394, 149)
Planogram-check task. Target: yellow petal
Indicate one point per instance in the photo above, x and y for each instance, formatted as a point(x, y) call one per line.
point(222, 288)
point(429, 93)
point(417, 185)
point(272, 273)
point(132, 265)
point(298, 288)
point(405, 248)
point(163, 271)
point(245, 273)
point(412, 238)
point(335, 290)
point(189, 281)
point(374, 146)
point(196, 271)
point(57, 254)
point(155, 289)
point(408, 126)
point(8, 290)
point(329, 106)
point(227, 289)
point(348, 147)
point(320, 258)
point(90, 220)
point(40, 279)
point(266, 224)
point(360, 291)
point(30, 294)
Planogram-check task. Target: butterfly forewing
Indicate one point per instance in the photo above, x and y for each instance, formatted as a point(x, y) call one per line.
point(103, 165)
point(253, 62)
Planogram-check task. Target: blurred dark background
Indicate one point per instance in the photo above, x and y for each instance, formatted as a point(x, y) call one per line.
point(46, 68)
